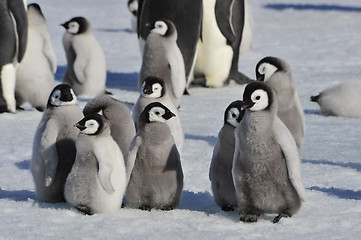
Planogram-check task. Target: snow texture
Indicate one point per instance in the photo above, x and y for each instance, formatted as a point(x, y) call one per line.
point(319, 39)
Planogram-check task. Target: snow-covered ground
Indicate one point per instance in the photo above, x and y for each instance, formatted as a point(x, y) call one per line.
point(321, 40)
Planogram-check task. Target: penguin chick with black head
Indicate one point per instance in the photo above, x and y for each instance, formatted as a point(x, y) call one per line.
point(154, 89)
point(97, 181)
point(119, 117)
point(54, 144)
point(154, 170)
point(162, 58)
point(86, 70)
point(266, 166)
point(220, 172)
point(277, 73)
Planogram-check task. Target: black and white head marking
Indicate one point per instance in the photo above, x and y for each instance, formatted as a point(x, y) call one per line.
point(76, 25)
point(257, 96)
point(267, 67)
point(91, 124)
point(234, 113)
point(62, 95)
point(157, 112)
point(162, 27)
point(153, 87)
point(133, 6)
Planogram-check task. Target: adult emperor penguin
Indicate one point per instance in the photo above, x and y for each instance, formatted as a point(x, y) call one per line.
point(332, 100)
point(162, 58)
point(219, 45)
point(266, 166)
point(119, 117)
point(220, 171)
point(35, 73)
point(277, 73)
point(97, 181)
point(13, 37)
point(154, 89)
point(86, 70)
point(186, 16)
point(54, 144)
point(154, 171)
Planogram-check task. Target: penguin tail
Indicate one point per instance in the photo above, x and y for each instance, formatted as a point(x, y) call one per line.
point(315, 98)
point(108, 93)
point(239, 78)
point(186, 92)
point(84, 209)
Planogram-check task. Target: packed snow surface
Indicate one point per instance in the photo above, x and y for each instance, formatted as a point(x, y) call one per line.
point(321, 40)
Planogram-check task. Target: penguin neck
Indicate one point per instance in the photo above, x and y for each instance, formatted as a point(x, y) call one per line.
point(155, 131)
point(261, 121)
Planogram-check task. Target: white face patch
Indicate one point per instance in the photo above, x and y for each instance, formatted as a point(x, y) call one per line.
point(260, 99)
point(133, 6)
point(73, 27)
point(55, 99)
point(232, 116)
point(156, 91)
point(155, 114)
point(91, 127)
point(160, 27)
point(267, 70)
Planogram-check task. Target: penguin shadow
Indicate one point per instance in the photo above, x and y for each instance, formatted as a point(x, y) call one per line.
point(23, 165)
point(352, 165)
point(338, 192)
point(123, 81)
point(314, 7)
point(212, 140)
point(200, 201)
point(17, 195)
point(312, 112)
point(114, 30)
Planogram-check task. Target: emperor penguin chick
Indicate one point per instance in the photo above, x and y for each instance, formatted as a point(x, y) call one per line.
point(54, 144)
point(220, 172)
point(266, 166)
point(97, 181)
point(162, 58)
point(154, 171)
point(154, 89)
point(119, 117)
point(35, 73)
point(86, 70)
point(277, 73)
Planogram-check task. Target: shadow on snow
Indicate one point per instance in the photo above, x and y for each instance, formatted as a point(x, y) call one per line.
point(209, 139)
point(337, 192)
point(314, 7)
point(17, 195)
point(352, 165)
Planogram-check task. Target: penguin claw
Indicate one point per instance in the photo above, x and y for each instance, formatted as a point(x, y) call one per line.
point(227, 208)
point(278, 218)
point(145, 208)
point(84, 209)
point(249, 218)
point(167, 208)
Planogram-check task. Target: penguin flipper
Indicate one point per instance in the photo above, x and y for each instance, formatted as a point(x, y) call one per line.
point(223, 11)
point(48, 151)
point(105, 168)
point(131, 156)
point(290, 152)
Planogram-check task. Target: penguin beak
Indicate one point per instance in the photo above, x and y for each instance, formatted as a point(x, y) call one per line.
point(168, 115)
point(247, 105)
point(260, 78)
point(81, 127)
point(149, 26)
point(64, 25)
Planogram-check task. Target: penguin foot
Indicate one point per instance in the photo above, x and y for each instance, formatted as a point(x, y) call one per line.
point(40, 109)
point(227, 208)
point(167, 208)
point(84, 209)
point(278, 218)
point(249, 218)
point(145, 208)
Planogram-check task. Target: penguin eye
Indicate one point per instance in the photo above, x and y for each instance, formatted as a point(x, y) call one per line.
point(234, 115)
point(258, 97)
point(157, 112)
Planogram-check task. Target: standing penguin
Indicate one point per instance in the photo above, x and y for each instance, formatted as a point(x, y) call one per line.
point(277, 73)
point(220, 171)
point(35, 74)
point(133, 9)
point(186, 16)
point(332, 100)
point(154, 89)
point(54, 144)
point(266, 166)
point(13, 37)
point(97, 181)
point(154, 171)
point(219, 45)
point(119, 117)
point(162, 58)
point(86, 70)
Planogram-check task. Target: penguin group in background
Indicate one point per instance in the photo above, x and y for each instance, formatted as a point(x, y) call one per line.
point(133, 8)
point(54, 144)
point(154, 89)
point(97, 181)
point(162, 58)
point(153, 166)
point(266, 166)
point(86, 70)
point(342, 100)
point(118, 115)
point(13, 38)
point(277, 73)
point(220, 171)
point(186, 16)
point(38, 66)
point(222, 30)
